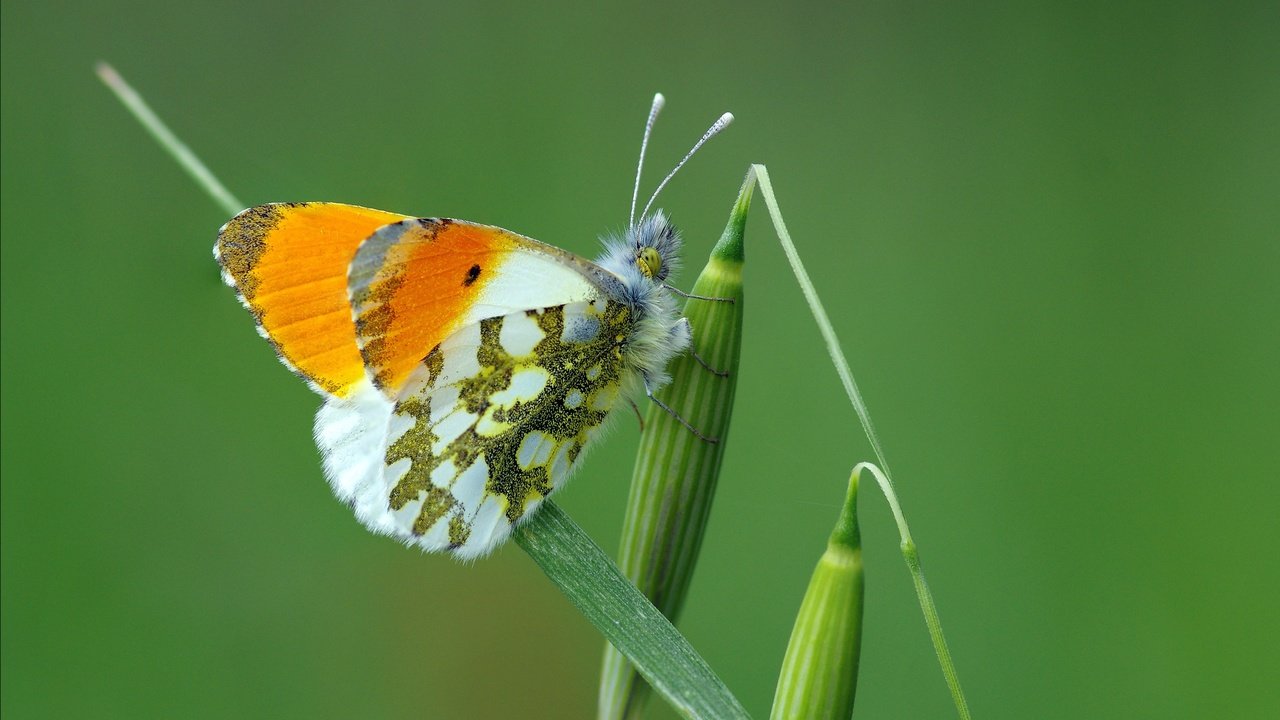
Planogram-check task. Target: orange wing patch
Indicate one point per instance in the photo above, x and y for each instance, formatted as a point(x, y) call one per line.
point(415, 282)
point(289, 262)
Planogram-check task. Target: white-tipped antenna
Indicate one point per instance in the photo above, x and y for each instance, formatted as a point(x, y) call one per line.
point(711, 132)
point(658, 102)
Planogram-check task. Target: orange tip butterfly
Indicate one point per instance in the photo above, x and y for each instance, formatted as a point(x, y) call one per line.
point(464, 368)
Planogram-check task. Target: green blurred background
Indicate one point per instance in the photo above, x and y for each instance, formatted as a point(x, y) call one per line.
point(1047, 234)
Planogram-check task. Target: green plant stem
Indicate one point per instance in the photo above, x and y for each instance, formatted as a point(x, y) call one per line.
point(819, 314)
point(909, 551)
point(675, 474)
point(927, 606)
point(819, 676)
point(170, 142)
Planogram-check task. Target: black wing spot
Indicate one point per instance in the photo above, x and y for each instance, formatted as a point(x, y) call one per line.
point(472, 274)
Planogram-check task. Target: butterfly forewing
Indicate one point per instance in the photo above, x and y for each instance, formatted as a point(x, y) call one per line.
point(288, 262)
point(413, 283)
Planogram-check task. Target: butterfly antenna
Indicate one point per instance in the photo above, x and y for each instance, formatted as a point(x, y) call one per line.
point(658, 102)
point(716, 127)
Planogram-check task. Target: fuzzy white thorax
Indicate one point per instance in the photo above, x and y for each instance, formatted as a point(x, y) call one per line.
point(659, 333)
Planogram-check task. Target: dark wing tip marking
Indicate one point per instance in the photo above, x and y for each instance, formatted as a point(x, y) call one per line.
point(242, 242)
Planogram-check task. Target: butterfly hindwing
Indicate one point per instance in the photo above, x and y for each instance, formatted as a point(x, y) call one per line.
point(483, 428)
point(289, 263)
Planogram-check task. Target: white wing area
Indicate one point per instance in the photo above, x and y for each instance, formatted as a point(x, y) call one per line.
point(534, 277)
point(352, 436)
point(514, 400)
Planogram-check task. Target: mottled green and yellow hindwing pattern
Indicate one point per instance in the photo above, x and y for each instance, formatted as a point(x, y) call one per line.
point(495, 417)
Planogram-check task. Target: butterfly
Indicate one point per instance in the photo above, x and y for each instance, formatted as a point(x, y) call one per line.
point(464, 368)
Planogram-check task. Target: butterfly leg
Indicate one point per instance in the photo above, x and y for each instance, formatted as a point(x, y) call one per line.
point(682, 328)
point(637, 411)
point(691, 296)
point(648, 390)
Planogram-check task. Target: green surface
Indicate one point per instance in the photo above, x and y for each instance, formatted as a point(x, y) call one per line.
point(1048, 236)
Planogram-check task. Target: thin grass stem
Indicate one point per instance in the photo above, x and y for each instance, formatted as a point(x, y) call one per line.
point(170, 142)
point(927, 606)
point(884, 478)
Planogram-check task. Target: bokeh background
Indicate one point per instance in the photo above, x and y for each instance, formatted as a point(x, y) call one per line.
point(1047, 234)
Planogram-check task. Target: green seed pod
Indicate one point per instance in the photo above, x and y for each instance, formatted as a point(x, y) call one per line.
point(675, 472)
point(820, 670)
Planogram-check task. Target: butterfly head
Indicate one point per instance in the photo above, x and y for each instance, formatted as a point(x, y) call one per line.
point(649, 251)
point(646, 255)
point(654, 244)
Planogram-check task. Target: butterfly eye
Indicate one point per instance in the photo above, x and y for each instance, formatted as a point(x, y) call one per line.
point(650, 262)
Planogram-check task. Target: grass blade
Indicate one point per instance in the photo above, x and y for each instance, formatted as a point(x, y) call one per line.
point(177, 149)
point(923, 594)
point(885, 479)
point(593, 583)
